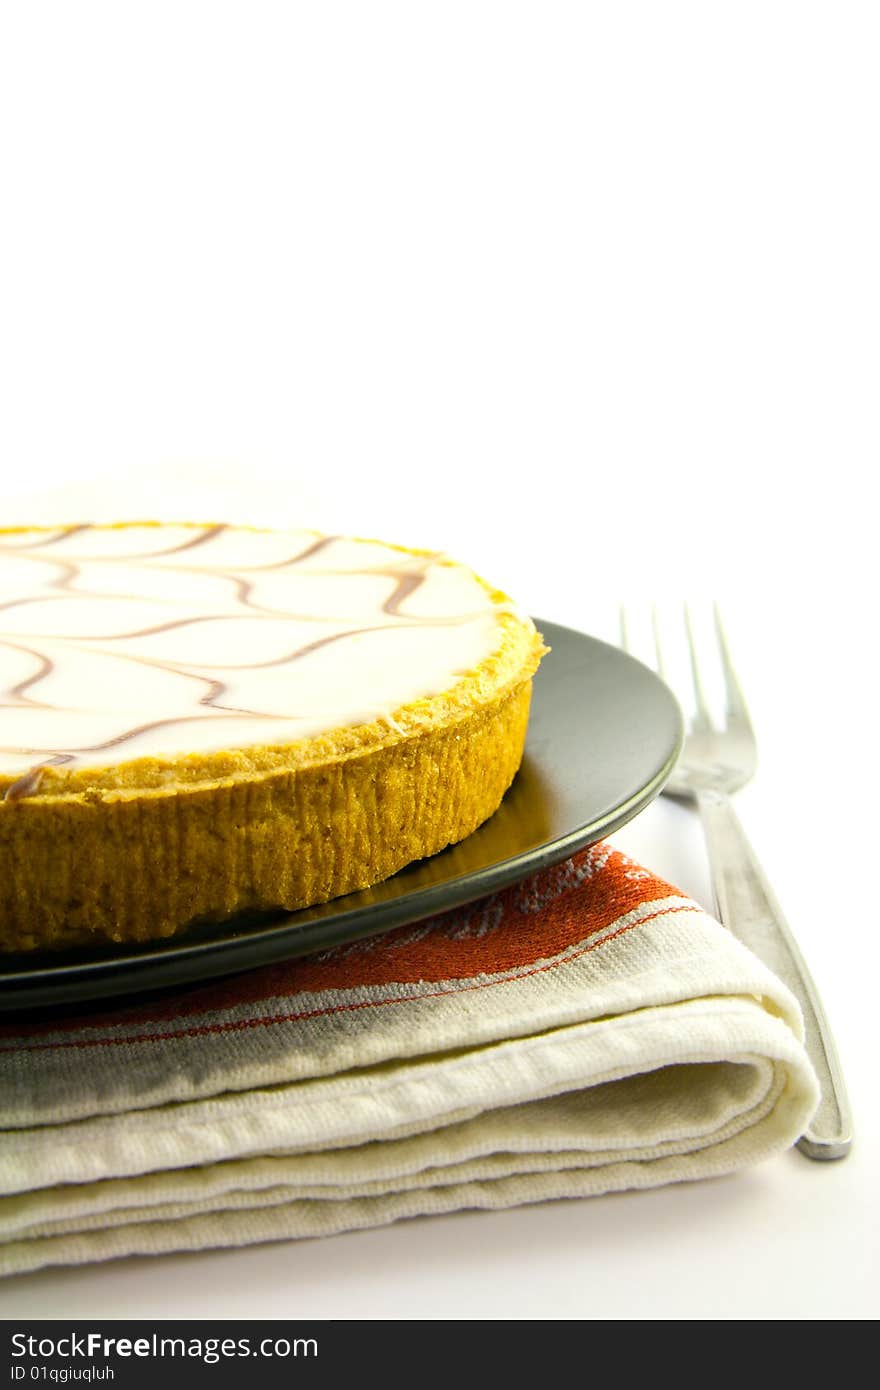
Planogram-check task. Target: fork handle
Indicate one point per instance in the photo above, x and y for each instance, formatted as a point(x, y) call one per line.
point(746, 905)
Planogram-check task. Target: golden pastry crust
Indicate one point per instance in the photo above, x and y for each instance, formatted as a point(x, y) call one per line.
point(141, 849)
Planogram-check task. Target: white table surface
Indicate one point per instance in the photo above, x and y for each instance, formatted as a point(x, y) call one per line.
point(586, 296)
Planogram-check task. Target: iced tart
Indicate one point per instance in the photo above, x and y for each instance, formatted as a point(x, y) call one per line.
point(197, 720)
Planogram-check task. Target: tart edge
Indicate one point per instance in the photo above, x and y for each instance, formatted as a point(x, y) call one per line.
point(83, 872)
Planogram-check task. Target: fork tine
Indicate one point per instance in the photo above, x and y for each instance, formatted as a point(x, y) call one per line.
point(624, 631)
point(701, 720)
point(736, 709)
point(658, 645)
point(626, 644)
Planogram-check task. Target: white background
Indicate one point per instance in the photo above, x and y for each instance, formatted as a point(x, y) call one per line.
point(586, 295)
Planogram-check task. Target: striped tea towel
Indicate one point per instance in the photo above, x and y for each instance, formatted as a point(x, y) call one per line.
point(585, 1031)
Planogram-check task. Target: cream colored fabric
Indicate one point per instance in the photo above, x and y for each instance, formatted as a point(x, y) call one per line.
point(654, 1049)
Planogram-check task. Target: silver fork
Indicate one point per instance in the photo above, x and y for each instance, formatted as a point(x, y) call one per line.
point(714, 763)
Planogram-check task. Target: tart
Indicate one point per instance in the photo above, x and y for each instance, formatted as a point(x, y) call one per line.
point(199, 720)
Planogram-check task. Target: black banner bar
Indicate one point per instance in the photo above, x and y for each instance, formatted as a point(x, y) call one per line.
point(129, 1354)
point(162, 1355)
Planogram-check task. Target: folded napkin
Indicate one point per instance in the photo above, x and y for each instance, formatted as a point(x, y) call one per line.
point(585, 1031)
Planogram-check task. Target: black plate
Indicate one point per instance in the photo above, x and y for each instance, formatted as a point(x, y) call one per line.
point(604, 735)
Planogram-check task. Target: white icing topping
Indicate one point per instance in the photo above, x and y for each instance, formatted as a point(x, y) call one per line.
point(145, 641)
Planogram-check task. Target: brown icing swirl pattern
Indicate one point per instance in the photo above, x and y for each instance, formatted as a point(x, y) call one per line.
point(134, 641)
